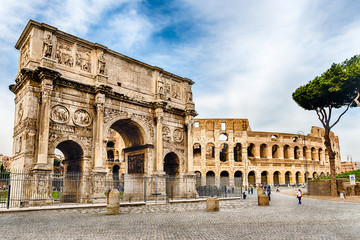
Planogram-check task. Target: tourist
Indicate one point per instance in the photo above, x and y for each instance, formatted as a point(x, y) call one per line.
point(299, 195)
point(268, 193)
point(252, 190)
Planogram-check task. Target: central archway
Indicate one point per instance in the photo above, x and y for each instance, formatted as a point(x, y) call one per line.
point(73, 189)
point(171, 168)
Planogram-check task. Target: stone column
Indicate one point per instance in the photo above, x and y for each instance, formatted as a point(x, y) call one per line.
point(189, 141)
point(47, 77)
point(281, 152)
point(159, 140)
point(245, 161)
point(99, 133)
point(256, 151)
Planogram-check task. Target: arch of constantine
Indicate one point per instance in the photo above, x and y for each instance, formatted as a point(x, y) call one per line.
point(228, 152)
point(73, 95)
point(115, 117)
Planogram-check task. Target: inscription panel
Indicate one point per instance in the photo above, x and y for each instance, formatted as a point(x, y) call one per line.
point(136, 163)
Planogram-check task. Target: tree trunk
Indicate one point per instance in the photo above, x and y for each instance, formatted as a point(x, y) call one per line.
point(332, 163)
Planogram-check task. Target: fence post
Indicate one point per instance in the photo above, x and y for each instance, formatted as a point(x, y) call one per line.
point(8, 197)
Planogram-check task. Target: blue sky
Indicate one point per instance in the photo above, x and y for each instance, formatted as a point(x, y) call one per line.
point(246, 57)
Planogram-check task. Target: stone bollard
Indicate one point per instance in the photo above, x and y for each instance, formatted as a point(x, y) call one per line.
point(342, 196)
point(212, 204)
point(260, 191)
point(113, 202)
point(263, 200)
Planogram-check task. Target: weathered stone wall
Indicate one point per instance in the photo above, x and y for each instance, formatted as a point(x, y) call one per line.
point(319, 188)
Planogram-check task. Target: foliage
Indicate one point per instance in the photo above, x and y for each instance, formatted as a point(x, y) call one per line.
point(335, 88)
point(344, 175)
point(56, 195)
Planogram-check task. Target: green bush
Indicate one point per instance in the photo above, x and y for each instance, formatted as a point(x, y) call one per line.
point(344, 175)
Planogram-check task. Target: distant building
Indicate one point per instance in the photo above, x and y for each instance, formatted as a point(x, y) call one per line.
point(347, 166)
point(5, 163)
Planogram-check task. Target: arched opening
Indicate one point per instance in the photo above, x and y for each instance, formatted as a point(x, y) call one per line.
point(287, 178)
point(127, 137)
point(251, 150)
point(237, 153)
point(305, 153)
point(263, 150)
point(210, 178)
point(58, 165)
point(238, 178)
point(224, 152)
point(264, 176)
point(276, 177)
point(251, 178)
point(315, 175)
point(171, 168)
point(320, 154)
point(286, 151)
point(110, 144)
point(297, 178)
point(210, 151)
point(198, 179)
point(297, 153)
point(73, 168)
point(224, 179)
point(116, 179)
point(322, 174)
point(197, 152)
point(171, 164)
point(313, 153)
point(275, 151)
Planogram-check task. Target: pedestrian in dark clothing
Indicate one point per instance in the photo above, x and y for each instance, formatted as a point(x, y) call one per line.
point(268, 193)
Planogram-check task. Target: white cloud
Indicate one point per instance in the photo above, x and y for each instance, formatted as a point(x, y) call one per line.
point(248, 59)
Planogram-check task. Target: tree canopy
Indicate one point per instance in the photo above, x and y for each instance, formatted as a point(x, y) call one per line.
point(335, 88)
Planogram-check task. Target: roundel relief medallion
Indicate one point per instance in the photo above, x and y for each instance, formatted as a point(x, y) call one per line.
point(166, 134)
point(178, 135)
point(82, 118)
point(59, 114)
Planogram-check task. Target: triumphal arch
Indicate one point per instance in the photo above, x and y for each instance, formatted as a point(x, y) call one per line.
point(73, 95)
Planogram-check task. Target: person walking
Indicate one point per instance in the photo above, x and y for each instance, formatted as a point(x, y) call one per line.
point(268, 193)
point(299, 195)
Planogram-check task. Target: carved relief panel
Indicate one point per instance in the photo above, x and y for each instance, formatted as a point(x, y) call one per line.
point(60, 114)
point(83, 59)
point(178, 135)
point(64, 53)
point(82, 118)
point(175, 90)
point(25, 53)
point(166, 134)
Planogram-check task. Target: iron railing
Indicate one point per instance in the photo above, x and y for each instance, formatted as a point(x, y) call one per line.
point(37, 189)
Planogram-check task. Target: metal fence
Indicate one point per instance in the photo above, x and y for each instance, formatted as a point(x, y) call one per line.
point(38, 189)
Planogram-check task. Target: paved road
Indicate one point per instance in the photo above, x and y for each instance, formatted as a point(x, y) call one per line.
point(237, 219)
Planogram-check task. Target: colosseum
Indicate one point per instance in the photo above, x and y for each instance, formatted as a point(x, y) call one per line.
point(227, 152)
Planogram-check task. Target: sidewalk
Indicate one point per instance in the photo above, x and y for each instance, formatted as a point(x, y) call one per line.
point(103, 205)
point(292, 192)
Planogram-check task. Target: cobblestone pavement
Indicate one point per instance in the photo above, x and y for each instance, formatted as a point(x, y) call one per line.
point(237, 219)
